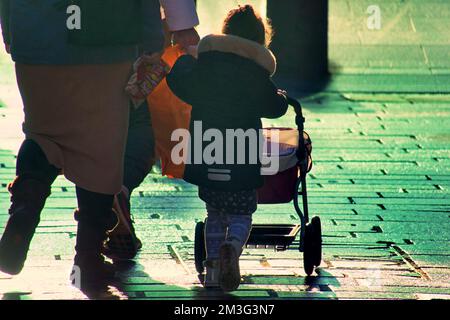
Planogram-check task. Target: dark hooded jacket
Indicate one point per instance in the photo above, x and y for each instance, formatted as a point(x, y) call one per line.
point(229, 88)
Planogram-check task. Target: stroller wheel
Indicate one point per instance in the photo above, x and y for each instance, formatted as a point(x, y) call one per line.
point(317, 240)
point(199, 247)
point(312, 255)
point(308, 253)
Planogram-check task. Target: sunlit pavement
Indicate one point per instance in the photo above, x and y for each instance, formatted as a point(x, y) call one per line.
point(380, 184)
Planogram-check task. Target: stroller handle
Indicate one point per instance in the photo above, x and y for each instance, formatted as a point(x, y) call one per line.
point(299, 119)
point(300, 122)
point(295, 104)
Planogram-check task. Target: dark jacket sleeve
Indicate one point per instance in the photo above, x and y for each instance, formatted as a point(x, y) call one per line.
point(4, 19)
point(153, 36)
point(271, 104)
point(182, 79)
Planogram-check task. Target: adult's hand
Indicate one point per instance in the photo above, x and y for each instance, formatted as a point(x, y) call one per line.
point(186, 38)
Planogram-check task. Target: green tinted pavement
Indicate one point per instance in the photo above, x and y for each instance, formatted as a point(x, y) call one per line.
point(380, 184)
point(410, 52)
point(412, 37)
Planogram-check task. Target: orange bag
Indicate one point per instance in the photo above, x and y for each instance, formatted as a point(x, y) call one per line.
point(168, 113)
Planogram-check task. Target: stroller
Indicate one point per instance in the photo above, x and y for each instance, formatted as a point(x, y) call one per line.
point(286, 186)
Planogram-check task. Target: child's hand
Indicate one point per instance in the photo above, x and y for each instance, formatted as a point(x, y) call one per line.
point(282, 93)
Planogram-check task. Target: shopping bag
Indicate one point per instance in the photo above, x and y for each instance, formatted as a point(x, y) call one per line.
point(168, 113)
point(149, 71)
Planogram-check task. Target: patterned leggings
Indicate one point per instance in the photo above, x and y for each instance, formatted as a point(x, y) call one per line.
point(220, 227)
point(229, 218)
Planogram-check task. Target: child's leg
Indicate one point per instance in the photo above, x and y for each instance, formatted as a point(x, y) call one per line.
point(239, 220)
point(215, 231)
point(239, 227)
point(242, 205)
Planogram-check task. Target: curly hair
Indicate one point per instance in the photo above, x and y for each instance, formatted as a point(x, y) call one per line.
point(246, 23)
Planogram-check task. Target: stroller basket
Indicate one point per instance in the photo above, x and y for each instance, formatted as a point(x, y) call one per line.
point(279, 235)
point(280, 188)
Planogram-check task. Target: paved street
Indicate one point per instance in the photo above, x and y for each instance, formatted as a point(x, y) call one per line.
point(380, 184)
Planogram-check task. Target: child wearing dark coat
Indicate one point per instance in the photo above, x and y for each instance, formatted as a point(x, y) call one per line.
point(229, 87)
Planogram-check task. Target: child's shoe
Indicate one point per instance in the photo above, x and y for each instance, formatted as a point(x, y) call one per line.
point(229, 273)
point(212, 274)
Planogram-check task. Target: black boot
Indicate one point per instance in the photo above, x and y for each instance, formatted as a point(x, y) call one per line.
point(28, 196)
point(91, 271)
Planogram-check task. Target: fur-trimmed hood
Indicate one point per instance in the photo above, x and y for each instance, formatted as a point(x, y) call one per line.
point(241, 47)
point(228, 87)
